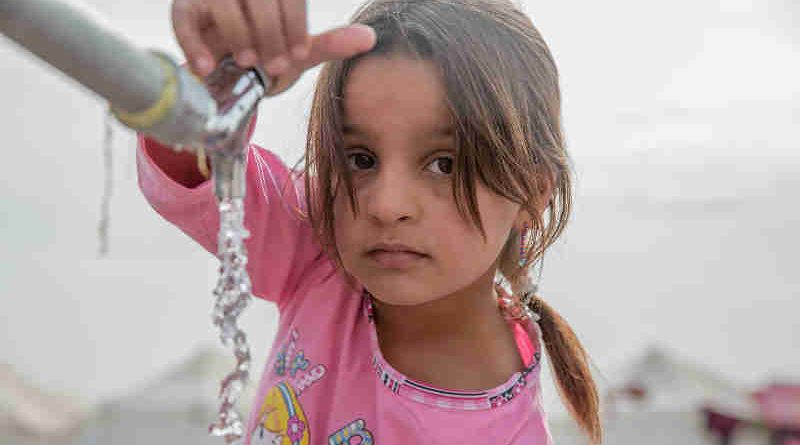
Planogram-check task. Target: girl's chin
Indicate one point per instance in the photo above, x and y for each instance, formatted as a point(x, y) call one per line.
point(394, 295)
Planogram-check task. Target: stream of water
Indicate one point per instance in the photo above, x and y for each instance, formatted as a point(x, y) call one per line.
point(232, 297)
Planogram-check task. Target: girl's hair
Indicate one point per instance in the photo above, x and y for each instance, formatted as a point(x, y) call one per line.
point(502, 91)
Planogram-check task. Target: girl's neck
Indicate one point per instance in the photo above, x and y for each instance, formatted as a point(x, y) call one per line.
point(469, 314)
point(460, 341)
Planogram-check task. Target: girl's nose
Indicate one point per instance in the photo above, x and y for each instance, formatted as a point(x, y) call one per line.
point(391, 198)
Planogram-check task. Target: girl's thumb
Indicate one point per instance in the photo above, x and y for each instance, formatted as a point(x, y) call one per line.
point(340, 43)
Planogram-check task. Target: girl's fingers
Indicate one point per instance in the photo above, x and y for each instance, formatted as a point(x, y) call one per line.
point(235, 30)
point(208, 29)
point(295, 26)
point(213, 41)
point(187, 20)
point(336, 44)
point(340, 43)
point(269, 34)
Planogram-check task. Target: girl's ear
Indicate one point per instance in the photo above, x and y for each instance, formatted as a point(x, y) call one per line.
point(523, 218)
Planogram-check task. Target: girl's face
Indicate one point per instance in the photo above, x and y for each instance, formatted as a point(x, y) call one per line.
point(400, 149)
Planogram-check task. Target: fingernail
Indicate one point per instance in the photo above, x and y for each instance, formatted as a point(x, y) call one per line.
point(247, 58)
point(277, 65)
point(300, 51)
point(203, 65)
point(366, 28)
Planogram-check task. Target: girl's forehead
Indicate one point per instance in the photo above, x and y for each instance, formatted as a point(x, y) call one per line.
point(395, 91)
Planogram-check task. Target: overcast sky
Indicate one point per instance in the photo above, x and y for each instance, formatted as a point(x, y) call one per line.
point(682, 120)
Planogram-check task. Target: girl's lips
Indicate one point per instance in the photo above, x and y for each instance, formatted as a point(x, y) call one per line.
point(395, 259)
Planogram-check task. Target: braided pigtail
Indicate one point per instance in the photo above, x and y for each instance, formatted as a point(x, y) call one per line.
point(569, 361)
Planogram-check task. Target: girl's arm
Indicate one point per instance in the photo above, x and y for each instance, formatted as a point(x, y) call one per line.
point(281, 248)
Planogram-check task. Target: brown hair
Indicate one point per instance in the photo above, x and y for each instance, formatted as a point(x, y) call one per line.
point(502, 90)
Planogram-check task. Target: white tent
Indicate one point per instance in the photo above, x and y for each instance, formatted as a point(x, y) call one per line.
point(189, 388)
point(657, 399)
point(28, 413)
point(659, 379)
point(174, 408)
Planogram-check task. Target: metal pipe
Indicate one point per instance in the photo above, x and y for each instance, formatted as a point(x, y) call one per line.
point(77, 41)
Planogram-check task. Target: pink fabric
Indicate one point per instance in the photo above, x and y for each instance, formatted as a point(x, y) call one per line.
point(526, 348)
point(325, 380)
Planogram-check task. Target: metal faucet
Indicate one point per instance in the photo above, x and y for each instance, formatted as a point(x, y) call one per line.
point(236, 93)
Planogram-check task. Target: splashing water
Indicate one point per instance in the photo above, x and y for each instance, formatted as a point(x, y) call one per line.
point(236, 92)
point(233, 295)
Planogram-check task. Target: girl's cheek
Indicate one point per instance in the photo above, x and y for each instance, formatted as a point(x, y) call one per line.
point(341, 210)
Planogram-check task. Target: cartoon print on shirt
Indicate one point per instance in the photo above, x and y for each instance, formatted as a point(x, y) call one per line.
point(285, 353)
point(290, 359)
point(281, 420)
point(299, 362)
point(354, 429)
point(280, 362)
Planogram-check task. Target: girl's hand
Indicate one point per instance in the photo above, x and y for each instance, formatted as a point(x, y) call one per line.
point(270, 33)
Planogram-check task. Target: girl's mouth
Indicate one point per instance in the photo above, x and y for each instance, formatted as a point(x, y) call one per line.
point(395, 259)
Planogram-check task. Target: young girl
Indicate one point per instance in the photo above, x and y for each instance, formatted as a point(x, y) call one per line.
point(435, 167)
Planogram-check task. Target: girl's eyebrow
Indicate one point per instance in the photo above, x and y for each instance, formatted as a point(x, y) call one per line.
point(442, 132)
point(351, 129)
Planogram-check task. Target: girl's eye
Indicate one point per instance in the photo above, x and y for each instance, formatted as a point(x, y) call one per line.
point(446, 168)
point(358, 161)
point(363, 161)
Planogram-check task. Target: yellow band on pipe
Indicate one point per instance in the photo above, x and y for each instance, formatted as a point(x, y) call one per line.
point(201, 163)
point(157, 111)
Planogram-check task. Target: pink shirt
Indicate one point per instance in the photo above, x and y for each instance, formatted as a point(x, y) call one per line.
point(325, 380)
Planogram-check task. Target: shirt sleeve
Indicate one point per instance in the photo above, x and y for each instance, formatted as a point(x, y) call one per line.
point(281, 249)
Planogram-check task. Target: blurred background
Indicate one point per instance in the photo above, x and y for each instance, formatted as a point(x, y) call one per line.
point(678, 270)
